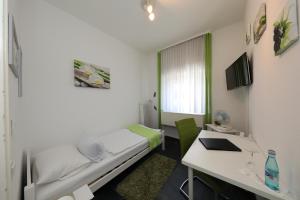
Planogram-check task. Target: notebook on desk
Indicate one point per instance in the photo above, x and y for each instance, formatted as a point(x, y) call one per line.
point(218, 144)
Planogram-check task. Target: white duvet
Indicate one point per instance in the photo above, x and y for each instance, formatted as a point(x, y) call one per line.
point(128, 139)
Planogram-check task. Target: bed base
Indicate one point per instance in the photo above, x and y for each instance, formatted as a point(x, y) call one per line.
point(97, 184)
point(29, 189)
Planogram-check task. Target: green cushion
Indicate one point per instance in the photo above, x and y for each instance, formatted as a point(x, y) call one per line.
point(188, 132)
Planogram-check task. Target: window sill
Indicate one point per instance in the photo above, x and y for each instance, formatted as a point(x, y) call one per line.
point(184, 113)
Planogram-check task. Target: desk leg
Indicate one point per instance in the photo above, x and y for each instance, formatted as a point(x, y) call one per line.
point(191, 183)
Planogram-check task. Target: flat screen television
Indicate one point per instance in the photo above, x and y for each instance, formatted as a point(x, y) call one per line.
point(239, 73)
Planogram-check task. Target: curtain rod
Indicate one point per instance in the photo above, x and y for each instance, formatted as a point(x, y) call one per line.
point(183, 41)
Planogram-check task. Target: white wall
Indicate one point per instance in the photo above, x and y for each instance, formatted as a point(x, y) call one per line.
point(149, 85)
point(274, 97)
point(52, 110)
point(227, 45)
point(59, 111)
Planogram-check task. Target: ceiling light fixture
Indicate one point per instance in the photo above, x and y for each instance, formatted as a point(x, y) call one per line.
point(149, 8)
point(151, 16)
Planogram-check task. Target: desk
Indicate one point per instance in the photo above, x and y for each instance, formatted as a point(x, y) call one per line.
point(228, 166)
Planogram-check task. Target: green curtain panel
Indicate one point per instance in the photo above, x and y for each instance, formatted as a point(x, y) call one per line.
point(159, 88)
point(208, 78)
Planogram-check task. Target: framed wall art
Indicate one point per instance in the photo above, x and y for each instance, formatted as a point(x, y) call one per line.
point(90, 75)
point(286, 31)
point(13, 46)
point(260, 23)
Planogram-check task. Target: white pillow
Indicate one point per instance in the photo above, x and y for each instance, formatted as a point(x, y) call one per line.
point(91, 148)
point(58, 162)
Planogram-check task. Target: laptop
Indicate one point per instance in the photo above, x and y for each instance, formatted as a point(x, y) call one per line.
point(219, 144)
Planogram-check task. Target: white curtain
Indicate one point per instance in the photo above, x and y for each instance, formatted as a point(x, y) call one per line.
point(183, 78)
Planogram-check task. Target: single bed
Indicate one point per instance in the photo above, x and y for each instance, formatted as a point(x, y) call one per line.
point(96, 175)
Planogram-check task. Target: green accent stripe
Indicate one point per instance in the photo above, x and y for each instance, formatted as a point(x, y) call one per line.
point(159, 88)
point(208, 78)
point(152, 136)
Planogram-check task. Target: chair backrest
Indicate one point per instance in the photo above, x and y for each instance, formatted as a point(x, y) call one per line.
point(188, 132)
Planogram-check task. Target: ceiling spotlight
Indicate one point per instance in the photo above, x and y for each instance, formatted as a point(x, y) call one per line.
point(151, 16)
point(149, 8)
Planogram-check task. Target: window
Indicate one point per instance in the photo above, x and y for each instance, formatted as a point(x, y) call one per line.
point(183, 78)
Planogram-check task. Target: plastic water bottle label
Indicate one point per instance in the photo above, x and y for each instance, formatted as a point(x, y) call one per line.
point(272, 179)
point(269, 175)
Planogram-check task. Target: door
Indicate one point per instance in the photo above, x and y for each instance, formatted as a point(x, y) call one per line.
point(4, 116)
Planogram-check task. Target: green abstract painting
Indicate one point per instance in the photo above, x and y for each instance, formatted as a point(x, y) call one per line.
point(260, 23)
point(90, 75)
point(286, 30)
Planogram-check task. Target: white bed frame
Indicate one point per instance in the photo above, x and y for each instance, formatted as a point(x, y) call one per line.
point(30, 190)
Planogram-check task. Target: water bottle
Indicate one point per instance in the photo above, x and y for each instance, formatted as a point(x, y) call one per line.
point(272, 171)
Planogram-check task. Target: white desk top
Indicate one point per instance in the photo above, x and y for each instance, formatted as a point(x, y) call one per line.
point(228, 166)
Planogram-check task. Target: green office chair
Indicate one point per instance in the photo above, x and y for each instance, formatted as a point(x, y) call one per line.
point(188, 132)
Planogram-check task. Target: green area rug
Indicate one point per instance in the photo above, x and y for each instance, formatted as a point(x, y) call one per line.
point(146, 180)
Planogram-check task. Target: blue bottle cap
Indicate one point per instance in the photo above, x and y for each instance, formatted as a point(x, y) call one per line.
point(272, 152)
